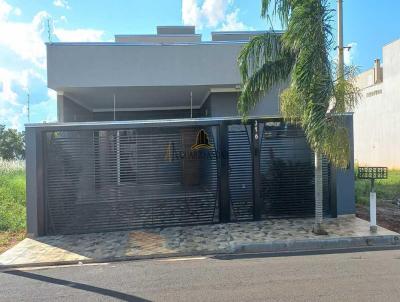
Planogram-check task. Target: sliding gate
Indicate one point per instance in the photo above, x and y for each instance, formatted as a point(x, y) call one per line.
point(96, 177)
point(108, 180)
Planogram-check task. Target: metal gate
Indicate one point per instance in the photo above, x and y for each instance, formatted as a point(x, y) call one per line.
point(287, 173)
point(96, 177)
point(240, 173)
point(108, 180)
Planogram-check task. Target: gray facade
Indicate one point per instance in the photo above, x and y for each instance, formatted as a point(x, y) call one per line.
point(124, 106)
point(104, 176)
point(148, 75)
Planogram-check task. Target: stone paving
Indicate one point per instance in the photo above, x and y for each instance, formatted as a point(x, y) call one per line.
point(174, 241)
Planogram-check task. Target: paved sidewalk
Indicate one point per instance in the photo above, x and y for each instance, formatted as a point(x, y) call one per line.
point(259, 236)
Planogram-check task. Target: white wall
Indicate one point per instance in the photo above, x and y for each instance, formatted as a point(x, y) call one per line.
point(377, 117)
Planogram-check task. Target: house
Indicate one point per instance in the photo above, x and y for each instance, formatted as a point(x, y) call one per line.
point(148, 135)
point(376, 118)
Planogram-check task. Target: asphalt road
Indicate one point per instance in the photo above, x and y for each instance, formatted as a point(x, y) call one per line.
point(367, 276)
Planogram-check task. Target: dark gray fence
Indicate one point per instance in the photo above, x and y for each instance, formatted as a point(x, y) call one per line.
point(95, 177)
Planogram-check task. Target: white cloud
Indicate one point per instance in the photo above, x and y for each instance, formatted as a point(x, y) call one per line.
point(78, 35)
point(232, 23)
point(14, 87)
point(17, 11)
point(64, 19)
point(24, 39)
point(191, 14)
point(61, 3)
point(10, 107)
point(25, 42)
point(349, 54)
point(7, 95)
point(5, 9)
point(46, 109)
point(215, 11)
point(211, 13)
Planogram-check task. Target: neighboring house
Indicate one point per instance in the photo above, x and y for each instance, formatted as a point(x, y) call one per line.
point(377, 116)
point(149, 136)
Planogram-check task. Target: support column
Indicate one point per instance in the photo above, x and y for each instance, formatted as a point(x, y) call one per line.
point(372, 208)
point(60, 106)
point(224, 199)
point(332, 191)
point(345, 192)
point(35, 209)
point(255, 151)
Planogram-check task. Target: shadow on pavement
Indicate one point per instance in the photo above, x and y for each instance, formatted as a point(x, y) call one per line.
point(81, 286)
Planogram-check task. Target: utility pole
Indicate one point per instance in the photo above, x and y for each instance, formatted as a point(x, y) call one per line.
point(340, 39)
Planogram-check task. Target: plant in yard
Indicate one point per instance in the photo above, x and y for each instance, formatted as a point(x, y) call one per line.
point(12, 144)
point(315, 98)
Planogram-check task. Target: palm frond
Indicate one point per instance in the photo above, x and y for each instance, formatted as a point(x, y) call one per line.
point(281, 8)
point(263, 63)
point(292, 105)
point(300, 56)
point(261, 49)
point(346, 92)
point(271, 73)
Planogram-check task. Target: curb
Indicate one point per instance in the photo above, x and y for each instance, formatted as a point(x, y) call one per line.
point(113, 259)
point(317, 245)
point(275, 248)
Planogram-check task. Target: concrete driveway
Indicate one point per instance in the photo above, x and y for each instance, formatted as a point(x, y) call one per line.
point(257, 236)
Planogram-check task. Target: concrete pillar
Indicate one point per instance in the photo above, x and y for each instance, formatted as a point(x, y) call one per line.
point(35, 210)
point(344, 178)
point(71, 110)
point(60, 106)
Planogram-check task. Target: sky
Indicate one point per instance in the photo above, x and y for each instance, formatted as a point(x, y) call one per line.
point(26, 25)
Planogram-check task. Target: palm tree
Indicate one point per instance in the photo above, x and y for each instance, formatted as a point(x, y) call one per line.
point(314, 99)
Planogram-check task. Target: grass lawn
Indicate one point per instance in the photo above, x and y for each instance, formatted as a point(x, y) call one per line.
point(386, 189)
point(12, 203)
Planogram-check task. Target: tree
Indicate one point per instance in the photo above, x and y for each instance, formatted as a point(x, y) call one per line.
point(12, 144)
point(314, 99)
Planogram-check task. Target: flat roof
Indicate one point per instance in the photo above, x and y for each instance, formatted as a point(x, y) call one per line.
point(143, 44)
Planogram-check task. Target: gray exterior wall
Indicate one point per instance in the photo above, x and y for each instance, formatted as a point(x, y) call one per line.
point(235, 35)
point(225, 105)
point(221, 104)
point(70, 111)
point(344, 179)
point(122, 64)
point(157, 38)
point(144, 115)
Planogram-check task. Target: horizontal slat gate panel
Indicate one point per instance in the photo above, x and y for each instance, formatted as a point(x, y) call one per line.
point(240, 173)
point(126, 179)
point(287, 173)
